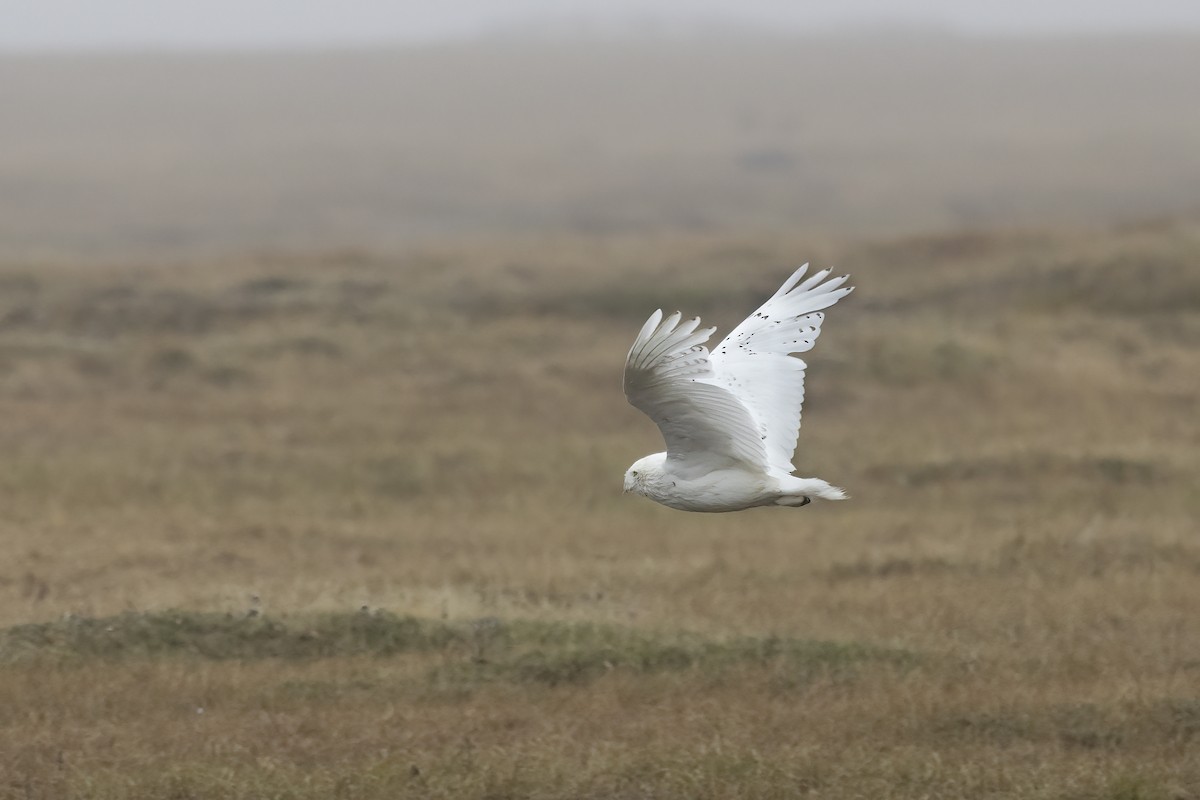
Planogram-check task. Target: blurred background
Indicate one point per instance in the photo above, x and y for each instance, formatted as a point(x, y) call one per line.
point(170, 129)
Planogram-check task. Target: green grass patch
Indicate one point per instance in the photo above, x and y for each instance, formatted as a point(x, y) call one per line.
point(554, 653)
point(224, 636)
point(478, 651)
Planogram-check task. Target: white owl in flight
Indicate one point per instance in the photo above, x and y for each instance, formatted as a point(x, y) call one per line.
point(730, 417)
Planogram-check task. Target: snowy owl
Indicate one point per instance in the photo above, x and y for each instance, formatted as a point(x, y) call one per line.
point(730, 417)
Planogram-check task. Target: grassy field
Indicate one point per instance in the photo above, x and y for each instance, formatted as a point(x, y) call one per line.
point(350, 525)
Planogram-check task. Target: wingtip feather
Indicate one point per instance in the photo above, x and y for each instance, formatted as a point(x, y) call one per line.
point(813, 280)
point(649, 327)
point(793, 280)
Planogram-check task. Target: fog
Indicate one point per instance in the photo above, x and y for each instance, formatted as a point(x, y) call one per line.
point(138, 126)
point(124, 24)
point(858, 135)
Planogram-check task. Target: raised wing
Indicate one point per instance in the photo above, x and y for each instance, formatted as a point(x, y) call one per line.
point(754, 364)
point(669, 378)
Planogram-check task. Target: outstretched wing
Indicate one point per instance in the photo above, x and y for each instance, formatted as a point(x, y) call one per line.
point(754, 361)
point(669, 378)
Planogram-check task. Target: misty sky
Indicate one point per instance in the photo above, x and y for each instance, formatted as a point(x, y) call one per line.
point(91, 24)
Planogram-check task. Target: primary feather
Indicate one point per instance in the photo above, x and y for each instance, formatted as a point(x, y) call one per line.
point(730, 418)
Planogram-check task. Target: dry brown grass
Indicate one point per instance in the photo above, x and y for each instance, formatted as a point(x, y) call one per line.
point(1006, 607)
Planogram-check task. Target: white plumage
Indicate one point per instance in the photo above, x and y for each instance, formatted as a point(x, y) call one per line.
point(731, 417)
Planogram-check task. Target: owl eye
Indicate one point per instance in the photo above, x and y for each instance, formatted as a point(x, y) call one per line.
point(635, 473)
